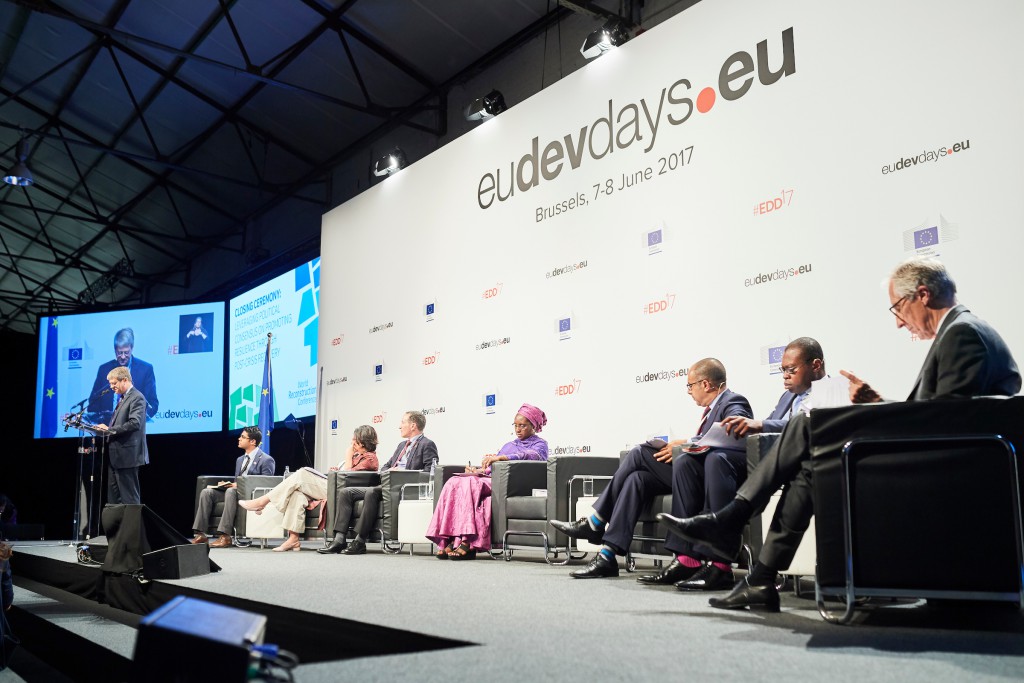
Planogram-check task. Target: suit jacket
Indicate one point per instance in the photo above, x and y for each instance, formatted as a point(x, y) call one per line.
point(143, 379)
point(967, 358)
point(421, 457)
point(262, 463)
point(729, 403)
point(780, 416)
point(126, 440)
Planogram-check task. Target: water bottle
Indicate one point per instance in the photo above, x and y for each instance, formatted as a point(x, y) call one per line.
point(430, 481)
point(287, 471)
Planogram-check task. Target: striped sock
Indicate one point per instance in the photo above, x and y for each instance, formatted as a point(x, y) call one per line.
point(596, 523)
point(608, 553)
point(688, 561)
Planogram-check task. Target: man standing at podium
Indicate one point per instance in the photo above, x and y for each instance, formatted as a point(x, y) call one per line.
point(126, 438)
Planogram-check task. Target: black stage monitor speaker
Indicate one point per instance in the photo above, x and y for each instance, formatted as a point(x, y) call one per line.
point(135, 530)
point(176, 562)
point(191, 640)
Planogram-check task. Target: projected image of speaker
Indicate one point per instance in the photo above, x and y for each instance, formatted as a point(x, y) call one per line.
point(140, 541)
point(193, 640)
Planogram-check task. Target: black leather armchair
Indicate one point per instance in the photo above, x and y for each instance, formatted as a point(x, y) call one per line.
point(896, 485)
point(519, 520)
point(249, 486)
point(391, 483)
point(337, 481)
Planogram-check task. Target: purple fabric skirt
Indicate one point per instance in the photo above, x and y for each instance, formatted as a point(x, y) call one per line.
point(463, 513)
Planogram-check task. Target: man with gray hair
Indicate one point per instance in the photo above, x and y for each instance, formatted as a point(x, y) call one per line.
point(967, 358)
point(415, 452)
point(101, 400)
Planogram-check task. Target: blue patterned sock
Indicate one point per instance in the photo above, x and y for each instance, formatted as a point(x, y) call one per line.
point(596, 523)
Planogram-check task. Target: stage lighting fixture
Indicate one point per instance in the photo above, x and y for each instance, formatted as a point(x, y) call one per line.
point(488, 106)
point(392, 162)
point(612, 34)
point(20, 173)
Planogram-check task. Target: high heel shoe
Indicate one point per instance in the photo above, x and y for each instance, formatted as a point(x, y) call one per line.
point(284, 547)
point(254, 505)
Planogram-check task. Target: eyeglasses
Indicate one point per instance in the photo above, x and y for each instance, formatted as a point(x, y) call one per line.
point(689, 385)
point(516, 426)
point(895, 308)
point(790, 370)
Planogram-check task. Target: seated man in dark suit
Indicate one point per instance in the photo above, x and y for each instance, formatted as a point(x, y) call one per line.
point(143, 377)
point(650, 470)
point(252, 461)
point(802, 363)
point(416, 452)
point(967, 358)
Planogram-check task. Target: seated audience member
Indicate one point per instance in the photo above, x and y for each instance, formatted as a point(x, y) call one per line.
point(461, 524)
point(252, 461)
point(6, 585)
point(307, 487)
point(8, 513)
point(650, 470)
point(416, 452)
point(966, 358)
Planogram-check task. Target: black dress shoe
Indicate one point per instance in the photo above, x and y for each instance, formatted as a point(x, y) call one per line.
point(744, 595)
point(705, 529)
point(599, 568)
point(579, 529)
point(673, 573)
point(356, 547)
point(709, 578)
point(333, 549)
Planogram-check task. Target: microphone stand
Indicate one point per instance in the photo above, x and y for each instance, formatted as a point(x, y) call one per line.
point(302, 440)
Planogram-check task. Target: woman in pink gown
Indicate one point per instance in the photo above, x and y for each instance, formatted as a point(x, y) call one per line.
point(461, 524)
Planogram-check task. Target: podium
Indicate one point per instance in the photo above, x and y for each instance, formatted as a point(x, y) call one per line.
point(92, 444)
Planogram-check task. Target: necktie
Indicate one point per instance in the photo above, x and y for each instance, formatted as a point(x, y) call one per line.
point(404, 451)
point(703, 417)
point(245, 466)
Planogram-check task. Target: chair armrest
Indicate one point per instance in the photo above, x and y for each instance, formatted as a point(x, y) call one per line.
point(204, 480)
point(391, 482)
point(248, 484)
point(758, 446)
point(442, 473)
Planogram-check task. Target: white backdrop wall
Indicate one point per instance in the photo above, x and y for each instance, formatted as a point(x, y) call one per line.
point(869, 136)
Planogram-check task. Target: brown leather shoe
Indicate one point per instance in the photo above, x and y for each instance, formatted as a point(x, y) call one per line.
point(222, 541)
point(200, 538)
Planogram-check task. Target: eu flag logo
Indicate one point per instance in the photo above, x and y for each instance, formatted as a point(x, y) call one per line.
point(653, 238)
point(490, 400)
point(430, 309)
point(564, 324)
point(334, 424)
point(775, 354)
point(75, 354)
point(926, 237)
point(378, 370)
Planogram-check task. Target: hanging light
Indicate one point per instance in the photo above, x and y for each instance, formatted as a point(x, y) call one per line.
point(390, 163)
point(612, 34)
point(488, 106)
point(20, 174)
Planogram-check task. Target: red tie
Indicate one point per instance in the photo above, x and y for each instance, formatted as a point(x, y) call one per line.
point(402, 454)
point(702, 418)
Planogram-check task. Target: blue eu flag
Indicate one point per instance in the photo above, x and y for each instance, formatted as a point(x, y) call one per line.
point(48, 423)
point(266, 418)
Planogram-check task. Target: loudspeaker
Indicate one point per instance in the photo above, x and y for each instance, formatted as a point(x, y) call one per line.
point(176, 562)
point(190, 640)
point(134, 530)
